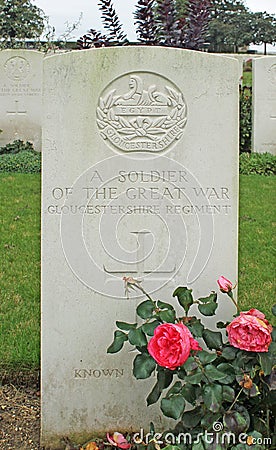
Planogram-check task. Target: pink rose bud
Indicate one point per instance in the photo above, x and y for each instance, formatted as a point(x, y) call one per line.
point(224, 284)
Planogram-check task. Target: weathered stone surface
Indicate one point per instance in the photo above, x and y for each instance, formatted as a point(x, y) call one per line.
point(264, 105)
point(140, 178)
point(21, 96)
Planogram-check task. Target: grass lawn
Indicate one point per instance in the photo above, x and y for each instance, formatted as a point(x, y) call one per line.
point(257, 243)
point(20, 260)
point(19, 270)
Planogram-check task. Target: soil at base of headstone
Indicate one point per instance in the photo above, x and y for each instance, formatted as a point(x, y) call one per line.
point(19, 411)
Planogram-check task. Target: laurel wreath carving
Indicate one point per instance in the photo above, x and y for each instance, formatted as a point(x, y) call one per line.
point(142, 126)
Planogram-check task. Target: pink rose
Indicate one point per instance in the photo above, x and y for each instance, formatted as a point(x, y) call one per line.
point(224, 284)
point(171, 345)
point(250, 331)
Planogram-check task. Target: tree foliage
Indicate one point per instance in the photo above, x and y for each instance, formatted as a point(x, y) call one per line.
point(166, 23)
point(225, 24)
point(145, 22)
point(264, 28)
point(198, 16)
point(172, 23)
point(111, 22)
point(19, 20)
point(232, 25)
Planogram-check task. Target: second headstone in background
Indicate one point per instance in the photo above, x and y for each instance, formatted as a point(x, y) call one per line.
point(264, 105)
point(21, 96)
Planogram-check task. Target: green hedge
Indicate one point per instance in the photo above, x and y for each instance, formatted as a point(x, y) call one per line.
point(25, 161)
point(15, 147)
point(257, 163)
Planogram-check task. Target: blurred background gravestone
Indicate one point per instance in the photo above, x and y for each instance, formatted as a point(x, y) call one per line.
point(264, 105)
point(21, 96)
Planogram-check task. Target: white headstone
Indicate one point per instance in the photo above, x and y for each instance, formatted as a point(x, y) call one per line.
point(240, 57)
point(140, 178)
point(264, 105)
point(21, 96)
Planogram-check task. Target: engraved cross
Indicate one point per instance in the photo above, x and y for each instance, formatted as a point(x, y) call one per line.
point(140, 269)
point(17, 110)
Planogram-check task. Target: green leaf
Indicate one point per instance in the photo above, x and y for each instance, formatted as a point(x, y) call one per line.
point(196, 327)
point(213, 339)
point(199, 445)
point(118, 342)
point(237, 421)
point(211, 298)
point(167, 316)
point(190, 392)
point(221, 325)
point(137, 337)
point(242, 359)
point(173, 407)
point(164, 379)
point(253, 392)
point(229, 372)
point(125, 326)
point(190, 419)
point(184, 297)
point(149, 327)
point(228, 394)
point(145, 309)
point(143, 366)
point(206, 357)
point(175, 389)
point(163, 305)
point(209, 309)
point(209, 419)
point(208, 305)
point(151, 445)
point(195, 377)
point(273, 309)
point(229, 353)
point(213, 373)
point(154, 394)
point(212, 396)
point(181, 373)
point(171, 447)
point(272, 349)
point(190, 364)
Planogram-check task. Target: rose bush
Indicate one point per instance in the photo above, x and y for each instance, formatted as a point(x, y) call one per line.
point(227, 375)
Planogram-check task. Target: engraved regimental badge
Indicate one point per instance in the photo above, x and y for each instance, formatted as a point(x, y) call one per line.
point(17, 68)
point(141, 111)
